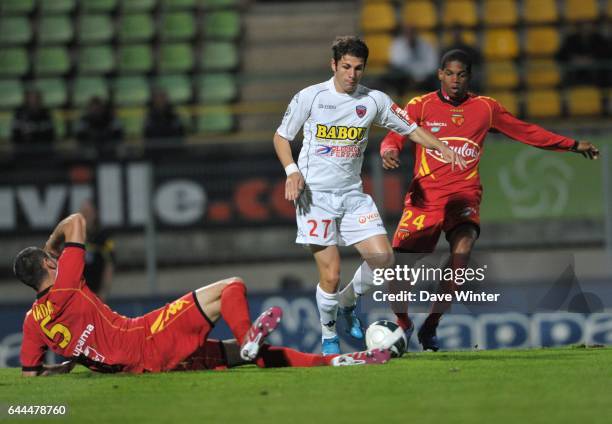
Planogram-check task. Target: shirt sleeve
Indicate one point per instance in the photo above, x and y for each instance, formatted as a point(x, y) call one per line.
point(525, 132)
point(296, 114)
point(70, 267)
point(395, 141)
point(33, 347)
point(391, 116)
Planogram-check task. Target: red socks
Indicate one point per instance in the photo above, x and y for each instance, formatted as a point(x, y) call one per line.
point(235, 309)
point(276, 356)
point(403, 320)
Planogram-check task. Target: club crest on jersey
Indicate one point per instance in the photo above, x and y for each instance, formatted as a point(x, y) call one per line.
point(457, 119)
point(361, 110)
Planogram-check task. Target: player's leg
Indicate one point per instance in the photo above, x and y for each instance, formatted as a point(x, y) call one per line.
point(280, 357)
point(461, 239)
point(377, 253)
point(361, 226)
point(327, 259)
point(226, 299)
point(416, 235)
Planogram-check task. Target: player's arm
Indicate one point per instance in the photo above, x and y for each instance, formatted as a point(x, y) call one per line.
point(397, 119)
point(32, 350)
point(295, 181)
point(63, 368)
point(297, 113)
point(427, 140)
point(534, 135)
point(70, 230)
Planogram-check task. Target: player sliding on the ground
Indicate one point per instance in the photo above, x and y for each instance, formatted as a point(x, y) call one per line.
point(72, 321)
point(332, 209)
point(440, 200)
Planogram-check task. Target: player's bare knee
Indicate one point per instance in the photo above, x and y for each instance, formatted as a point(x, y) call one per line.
point(381, 260)
point(329, 280)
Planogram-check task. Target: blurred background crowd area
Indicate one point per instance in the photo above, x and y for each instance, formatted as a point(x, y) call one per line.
point(90, 88)
point(105, 73)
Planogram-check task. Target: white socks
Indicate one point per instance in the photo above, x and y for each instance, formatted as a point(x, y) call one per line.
point(328, 311)
point(362, 282)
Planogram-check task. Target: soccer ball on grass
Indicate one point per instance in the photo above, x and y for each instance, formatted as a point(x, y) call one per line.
point(385, 334)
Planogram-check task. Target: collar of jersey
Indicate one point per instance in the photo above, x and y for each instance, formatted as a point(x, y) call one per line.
point(332, 89)
point(447, 99)
point(42, 293)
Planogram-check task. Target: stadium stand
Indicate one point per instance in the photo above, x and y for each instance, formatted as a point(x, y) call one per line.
point(519, 41)
point(419, 14)
point(119, 49)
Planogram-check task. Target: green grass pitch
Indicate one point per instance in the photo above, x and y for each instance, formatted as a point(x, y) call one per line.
point(570, 385)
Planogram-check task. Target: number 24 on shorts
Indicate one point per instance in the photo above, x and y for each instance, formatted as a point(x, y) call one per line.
point(314, 224)
point(418, 222)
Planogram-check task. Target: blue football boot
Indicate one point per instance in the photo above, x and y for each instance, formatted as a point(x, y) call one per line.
point(353, 323)
point(330, 346)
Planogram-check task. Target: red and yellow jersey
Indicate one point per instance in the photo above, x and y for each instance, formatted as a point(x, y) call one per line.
point(463, 127)
point(72, 321)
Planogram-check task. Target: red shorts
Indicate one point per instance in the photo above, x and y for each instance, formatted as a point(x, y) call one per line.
point(419, 229)
point(177, 330)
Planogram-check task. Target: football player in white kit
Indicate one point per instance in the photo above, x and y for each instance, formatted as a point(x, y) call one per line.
point(326, 186)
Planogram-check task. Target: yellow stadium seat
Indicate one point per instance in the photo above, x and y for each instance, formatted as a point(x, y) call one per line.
point(501, 75)
point(379, 45)
point(542, 73)
point(500, 44)
point(429, 36)
point(540, 11)
point(377, 17)
point(581, 10)
point(542, 41)
point(584, 101)
point(419, 14)
point(543, 103)
point(507, 99)
point(500, 13)
point(467, 36)
point(460, 12)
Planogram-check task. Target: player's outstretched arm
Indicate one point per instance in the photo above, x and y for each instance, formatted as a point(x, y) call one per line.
point(587, 149)
point(295, 181)
point(70, 230)
point(63, 368)
point(425, 139)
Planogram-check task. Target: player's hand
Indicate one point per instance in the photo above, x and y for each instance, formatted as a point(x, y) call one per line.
point(51, 250)
point(588, 150)
point(453, 158)
point(391, 159)
point(294, 186)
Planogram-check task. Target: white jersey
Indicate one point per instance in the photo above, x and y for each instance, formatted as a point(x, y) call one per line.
point(336, 127)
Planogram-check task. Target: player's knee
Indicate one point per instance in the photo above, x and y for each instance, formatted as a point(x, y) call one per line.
point(235, 282)
point(330, 278)
point(382, 260)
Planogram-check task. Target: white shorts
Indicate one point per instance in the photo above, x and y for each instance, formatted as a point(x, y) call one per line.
point(336, 218)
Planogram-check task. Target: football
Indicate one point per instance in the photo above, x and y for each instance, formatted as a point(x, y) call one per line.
point(385, 334)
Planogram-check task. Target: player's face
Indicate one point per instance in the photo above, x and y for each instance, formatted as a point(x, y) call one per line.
point(347, 73)
point(454, 79)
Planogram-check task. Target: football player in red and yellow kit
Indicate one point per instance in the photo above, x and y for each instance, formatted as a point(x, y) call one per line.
point(68, 318)
point(440, 200)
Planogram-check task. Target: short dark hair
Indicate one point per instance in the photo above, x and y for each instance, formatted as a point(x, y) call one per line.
point(28, 266)
point(457, 55)
point(353, 46)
